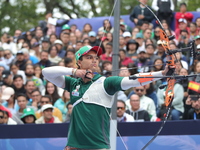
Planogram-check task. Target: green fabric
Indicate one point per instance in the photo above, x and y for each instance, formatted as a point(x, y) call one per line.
point(90, 123)
point(28, 112)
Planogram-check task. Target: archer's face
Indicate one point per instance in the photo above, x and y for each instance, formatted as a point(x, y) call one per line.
point(89, 61)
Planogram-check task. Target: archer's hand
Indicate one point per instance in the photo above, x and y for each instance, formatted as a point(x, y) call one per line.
point(81, 73)
point(164, 72)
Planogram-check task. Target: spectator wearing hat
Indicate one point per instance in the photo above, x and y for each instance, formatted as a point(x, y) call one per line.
point(8, 57)
point(59, 45)
point(8, 96)
point(47, 111)
point(139, 38)
point(7, 78)
point(160, 50)
point(46, 99)
point(28, 116)
point(143, 62)
point(20, 60)
point(93, 38)
point(183, 14)
point(44, 59)
point(131, 48)
point(66, 28)
point(181, 26)
point(45, 44)
point(127, 36)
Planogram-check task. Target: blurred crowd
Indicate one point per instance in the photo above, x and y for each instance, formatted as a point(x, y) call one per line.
point(27, 97)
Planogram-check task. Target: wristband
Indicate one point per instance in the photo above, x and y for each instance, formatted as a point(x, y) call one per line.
point(74, 72)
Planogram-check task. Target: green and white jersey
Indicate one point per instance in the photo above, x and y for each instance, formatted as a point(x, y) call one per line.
point(90, 121)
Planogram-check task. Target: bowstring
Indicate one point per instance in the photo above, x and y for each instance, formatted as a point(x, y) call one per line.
point(93, 82)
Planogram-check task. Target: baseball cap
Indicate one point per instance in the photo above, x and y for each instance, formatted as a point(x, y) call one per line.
point(139, 35)
point(46, 106)
point(197, 37)
point(141, 50)
point(198, 46)
point(66, 27)
point(7, 92)
point(122, 24)
point(92, 33)
point(182, 20)
point(85, 49)
point(28, 112)
point(58, 42)
point(126, 34)
point(5, 74)
point(45, 39)
point(20, 52)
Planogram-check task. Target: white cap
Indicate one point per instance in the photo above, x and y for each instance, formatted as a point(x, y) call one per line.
point(58, 42)
point(198, 46)
point(126, 34)
point(46, 106)
point(159, 42)
point(182, 20)
point(7, 92)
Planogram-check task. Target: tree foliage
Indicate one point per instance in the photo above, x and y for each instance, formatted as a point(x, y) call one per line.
point(22, 13)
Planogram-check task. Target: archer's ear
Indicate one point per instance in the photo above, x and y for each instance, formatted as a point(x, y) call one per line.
point(79, 62)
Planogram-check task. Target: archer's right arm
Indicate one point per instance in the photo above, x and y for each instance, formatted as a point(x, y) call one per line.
point(56, 74)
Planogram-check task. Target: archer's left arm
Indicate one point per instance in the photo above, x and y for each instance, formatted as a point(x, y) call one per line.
point(127, 83)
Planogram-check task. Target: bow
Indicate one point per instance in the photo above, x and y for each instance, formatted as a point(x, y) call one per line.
point(171, 78)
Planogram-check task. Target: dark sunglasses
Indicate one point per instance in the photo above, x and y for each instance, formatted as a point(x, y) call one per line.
point(122, 108)
point(137, 90)
point(44, 102)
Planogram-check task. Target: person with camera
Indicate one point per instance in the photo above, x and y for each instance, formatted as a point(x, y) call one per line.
point(183, 39)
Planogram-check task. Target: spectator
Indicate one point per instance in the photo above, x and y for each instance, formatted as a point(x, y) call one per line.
point(59, 45)
point(45, 44)
point(69, 111)
point(183, 39)
point(15, 71)
point(87, 28)
point(1, 117)
point(70, 53)
point(38, 72)
point(92, 37)
point(47, 111)
point(160, 50)
point(150, 49)
point(29, 87)
point(183, 14)
point(8, 120)
point(52, 90)
point(65, 38)
point(131, 48)
point(197, 21)
point(79, 44)
point(28, 116)
point(140, 40)
point(8, 57)
point(122, 44)
point(53, 55)
point(35, 98)
point(138, 113)
point(194, 112)
point(122, 116)
point(7, 78)
point(18, 85)
point(107, 27)
point(140, 14)
point(20, 60)
point(107, 68)
point(62, 102)
point(127, 36)
point(143, 62)
point(108, 52)
point(8, 96)
point(193, 30)
point(46, 99)
point(22, 102)
point(147, 34)
point(135, 30)
point(72, 40)
point(124, 60)
point(146, 103)
point(52, 38)
point(181, 26)
point(177, 103)
point(164, 9)
point(44, 62)
point(36, 48)
point(30, 58)
point(29, 71)
point(66, 28)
